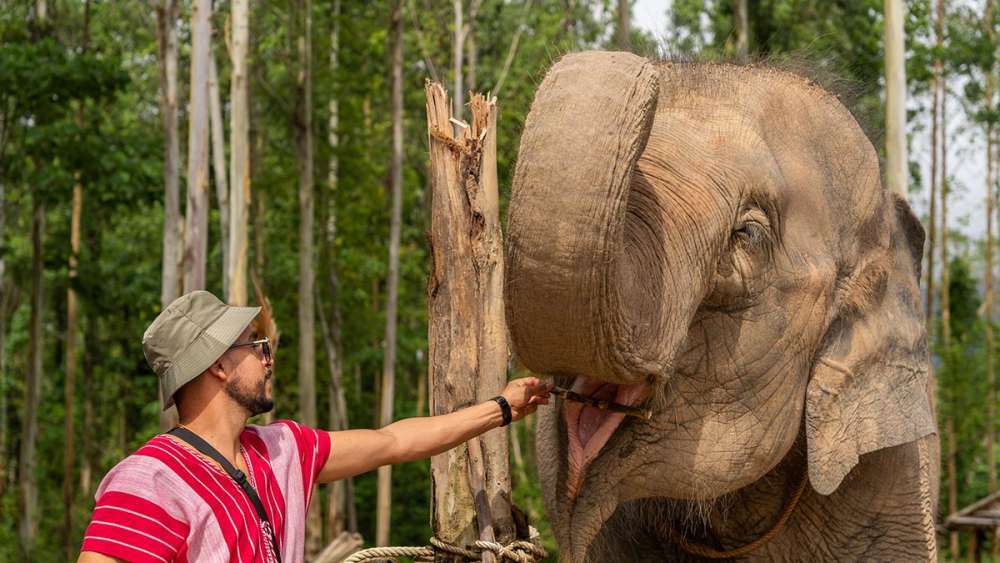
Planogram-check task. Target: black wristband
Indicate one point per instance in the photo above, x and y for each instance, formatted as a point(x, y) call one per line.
point(504, 409)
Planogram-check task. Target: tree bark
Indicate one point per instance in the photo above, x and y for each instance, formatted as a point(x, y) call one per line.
point(467, 328)
point(740, 14)
point(33, 388)
point(991, 395)
point(196, 221)
point(952, 482)
point(932, 221)
point(87, 431)
point(895, 98)
point(239, 145)
point(339, 503)
point(219, 166)
point(470, 45)
point(457, 51)
point(5, 299)
point(622, 31)
point(307, 308)
point(384, 501)
point(69, 389)
point(173, 222)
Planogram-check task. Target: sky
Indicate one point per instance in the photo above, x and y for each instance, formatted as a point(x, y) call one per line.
point(966, 145)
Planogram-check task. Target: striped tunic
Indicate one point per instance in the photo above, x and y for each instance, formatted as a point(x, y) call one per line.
point(166, 502)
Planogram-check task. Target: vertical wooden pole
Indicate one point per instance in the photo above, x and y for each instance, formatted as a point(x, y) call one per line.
point(470, 485)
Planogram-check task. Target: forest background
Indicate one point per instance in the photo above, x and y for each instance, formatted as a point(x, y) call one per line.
point(104, 166)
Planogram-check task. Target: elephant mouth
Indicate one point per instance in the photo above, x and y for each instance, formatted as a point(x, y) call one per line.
point(589, 428)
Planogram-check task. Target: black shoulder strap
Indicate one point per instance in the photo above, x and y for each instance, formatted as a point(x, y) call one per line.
point(204, 447)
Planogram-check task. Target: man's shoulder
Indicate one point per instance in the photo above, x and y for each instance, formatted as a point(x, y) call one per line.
point(145, 467)
point(286, 437)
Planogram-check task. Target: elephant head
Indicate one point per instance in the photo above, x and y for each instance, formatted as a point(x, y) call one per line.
point(713, 241)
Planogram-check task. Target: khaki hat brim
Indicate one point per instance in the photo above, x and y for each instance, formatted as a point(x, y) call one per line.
point(205, 349)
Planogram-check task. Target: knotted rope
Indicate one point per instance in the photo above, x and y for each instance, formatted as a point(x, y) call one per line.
point(520, 551)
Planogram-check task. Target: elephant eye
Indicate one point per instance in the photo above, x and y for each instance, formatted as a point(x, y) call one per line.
point(750, 235)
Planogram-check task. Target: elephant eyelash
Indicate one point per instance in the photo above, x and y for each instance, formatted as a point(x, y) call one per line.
point(751, 234)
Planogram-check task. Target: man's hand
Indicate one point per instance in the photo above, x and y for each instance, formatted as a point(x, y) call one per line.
point(524, 395)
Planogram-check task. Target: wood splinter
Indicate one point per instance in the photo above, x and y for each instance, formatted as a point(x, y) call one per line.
point(568, 395)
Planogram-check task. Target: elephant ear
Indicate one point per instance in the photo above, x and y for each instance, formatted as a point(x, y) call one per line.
point(868, 388)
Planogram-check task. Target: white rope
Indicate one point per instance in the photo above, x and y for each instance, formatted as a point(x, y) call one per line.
point(519, 551)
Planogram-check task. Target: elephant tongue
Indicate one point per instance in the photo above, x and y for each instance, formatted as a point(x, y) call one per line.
point(589, 428)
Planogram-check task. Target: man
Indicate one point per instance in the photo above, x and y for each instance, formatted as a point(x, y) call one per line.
point(171, 502)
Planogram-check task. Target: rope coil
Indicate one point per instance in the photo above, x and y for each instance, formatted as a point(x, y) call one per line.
point(519, 551)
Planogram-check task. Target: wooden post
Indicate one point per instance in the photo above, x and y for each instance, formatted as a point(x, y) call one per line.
point(467, 328)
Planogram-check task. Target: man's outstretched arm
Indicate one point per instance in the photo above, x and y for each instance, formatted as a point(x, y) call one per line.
point(357, 451)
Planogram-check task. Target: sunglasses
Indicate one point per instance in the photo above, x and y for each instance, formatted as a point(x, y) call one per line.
point(265, 348)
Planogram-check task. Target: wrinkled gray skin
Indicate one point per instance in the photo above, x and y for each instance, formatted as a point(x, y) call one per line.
point(717, 238)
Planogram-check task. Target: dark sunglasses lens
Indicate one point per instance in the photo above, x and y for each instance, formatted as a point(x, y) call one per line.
point(266, 349)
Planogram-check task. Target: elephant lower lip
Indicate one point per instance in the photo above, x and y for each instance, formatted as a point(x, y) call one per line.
point(589, 428)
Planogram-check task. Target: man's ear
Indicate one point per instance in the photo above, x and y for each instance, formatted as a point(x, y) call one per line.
point(868, 388)
point(218, 370)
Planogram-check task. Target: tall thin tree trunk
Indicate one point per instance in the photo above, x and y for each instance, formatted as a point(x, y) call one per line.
point(239, 145)
point(33, 388)
point(895, 98)
point(70, 384)
point(5, 299)
point(740, 12)
point(307, 308)
point(337, 500)
point(991, 395)
point(932, 221)
point(470, 45)
point(384, 501)
point(622, 31)
point(27, 488)
point(69, 389)
point(219, 166)
point(88, 431)
point(946, 314)
point(512, 50)
point(173, 222)
point(457, 50)
point(196, 221)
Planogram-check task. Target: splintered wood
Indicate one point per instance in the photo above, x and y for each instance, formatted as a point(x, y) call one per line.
point(470, 485)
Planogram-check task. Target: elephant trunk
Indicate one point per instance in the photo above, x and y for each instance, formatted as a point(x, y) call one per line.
point(592, 287)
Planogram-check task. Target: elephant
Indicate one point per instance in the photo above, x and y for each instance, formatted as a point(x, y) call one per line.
point(713, 242)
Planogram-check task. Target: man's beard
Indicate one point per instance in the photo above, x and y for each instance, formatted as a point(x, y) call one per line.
point(255, 401)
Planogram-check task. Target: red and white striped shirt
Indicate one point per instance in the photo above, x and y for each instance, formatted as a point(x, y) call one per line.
point(168, 503)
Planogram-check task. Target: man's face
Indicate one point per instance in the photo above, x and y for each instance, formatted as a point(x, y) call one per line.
point(250, 375)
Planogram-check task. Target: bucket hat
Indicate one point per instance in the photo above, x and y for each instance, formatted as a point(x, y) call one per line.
point(190, 334)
